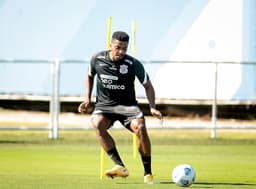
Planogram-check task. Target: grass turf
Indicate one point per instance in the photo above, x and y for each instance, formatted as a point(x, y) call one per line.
point(31, 160)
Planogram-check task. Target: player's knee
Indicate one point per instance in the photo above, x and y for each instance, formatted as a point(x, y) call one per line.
point(94, 122)
point(141, 129)
point(99, 123)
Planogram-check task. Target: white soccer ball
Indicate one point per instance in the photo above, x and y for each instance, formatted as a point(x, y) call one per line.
point(183, 175)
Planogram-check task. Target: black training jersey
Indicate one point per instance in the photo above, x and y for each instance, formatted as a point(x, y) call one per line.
point(115, 80)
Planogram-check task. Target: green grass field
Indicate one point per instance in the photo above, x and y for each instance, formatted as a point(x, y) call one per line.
point(30, 160)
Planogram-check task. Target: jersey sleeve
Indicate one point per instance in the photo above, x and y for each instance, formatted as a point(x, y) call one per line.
point(140, 72)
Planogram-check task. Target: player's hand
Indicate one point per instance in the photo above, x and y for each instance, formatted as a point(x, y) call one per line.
point(83, 106)
point(156, 113)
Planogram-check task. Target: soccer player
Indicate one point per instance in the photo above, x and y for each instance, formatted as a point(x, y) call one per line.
point(116, 101)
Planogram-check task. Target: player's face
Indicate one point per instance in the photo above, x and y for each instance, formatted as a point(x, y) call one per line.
point(118, 49)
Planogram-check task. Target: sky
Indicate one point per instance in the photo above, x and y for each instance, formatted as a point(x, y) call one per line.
point(47, 29)
point(166, 30)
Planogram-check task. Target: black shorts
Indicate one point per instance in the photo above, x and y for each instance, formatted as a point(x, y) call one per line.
point(123, 114)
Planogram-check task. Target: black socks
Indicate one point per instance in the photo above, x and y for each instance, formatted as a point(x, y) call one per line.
point(113, 154)
point(147, 164)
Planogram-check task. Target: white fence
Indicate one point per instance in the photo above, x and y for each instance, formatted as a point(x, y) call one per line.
point(54, 81)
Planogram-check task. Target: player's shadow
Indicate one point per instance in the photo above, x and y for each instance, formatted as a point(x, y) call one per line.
point(203, 184)
point(12, 142)
point(212, 184)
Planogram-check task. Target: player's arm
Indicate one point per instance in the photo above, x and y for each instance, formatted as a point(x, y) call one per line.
point(89, 78)
point(88, 88)
point(143, 77)
point(150, 92)
point(88, 92)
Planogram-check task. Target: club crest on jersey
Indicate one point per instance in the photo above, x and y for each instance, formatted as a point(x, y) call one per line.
point(123, 69)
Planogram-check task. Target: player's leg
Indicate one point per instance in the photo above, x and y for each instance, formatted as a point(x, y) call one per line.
point(138, 126)
point(101, 125)
point(133, 119)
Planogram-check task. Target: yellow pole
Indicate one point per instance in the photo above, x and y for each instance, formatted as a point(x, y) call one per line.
point(109, 32)
point(135, 139)
point(102, 162)
point(102, 156)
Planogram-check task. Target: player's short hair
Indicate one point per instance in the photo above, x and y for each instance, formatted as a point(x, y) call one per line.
point(120, 36)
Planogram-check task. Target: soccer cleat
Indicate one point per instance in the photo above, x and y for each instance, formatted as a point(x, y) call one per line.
point(117, 171)
point(148, 179)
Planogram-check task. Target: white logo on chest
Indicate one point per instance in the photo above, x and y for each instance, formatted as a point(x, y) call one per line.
point(123, 69)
